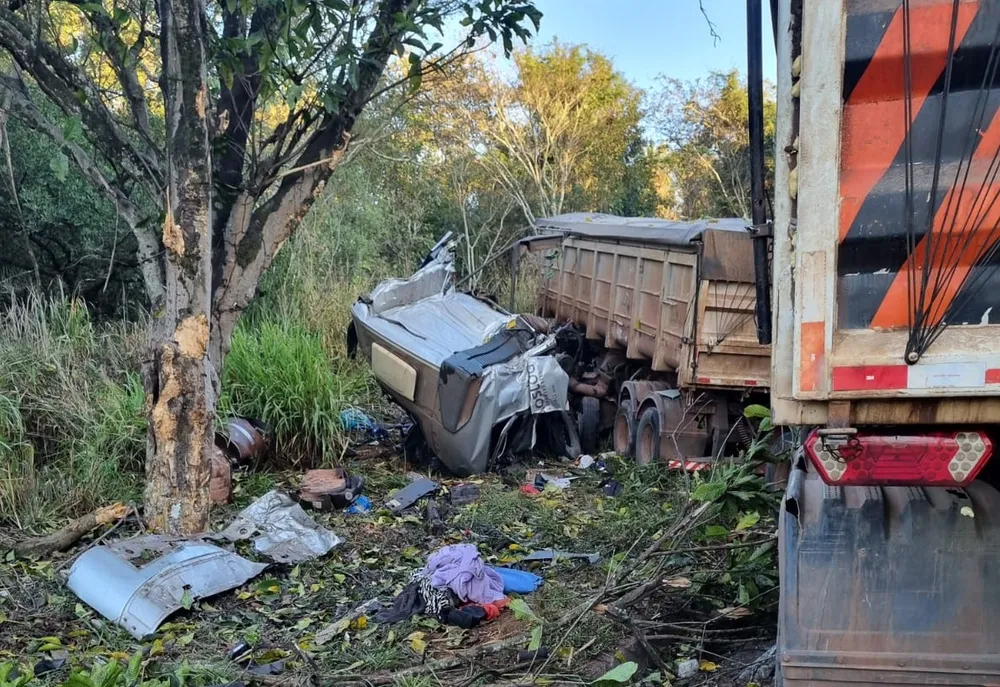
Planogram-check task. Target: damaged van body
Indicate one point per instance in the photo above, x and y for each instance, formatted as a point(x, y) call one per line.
point(479, 382)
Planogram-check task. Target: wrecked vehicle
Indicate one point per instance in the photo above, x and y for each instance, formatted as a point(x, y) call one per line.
point(657, 319)
point(480, 382)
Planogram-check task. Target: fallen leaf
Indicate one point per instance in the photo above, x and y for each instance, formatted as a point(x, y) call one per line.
point(678, 582)
point(186, 600)
point(536, 638)
point(157, 648)
point(967, 512)
point(417, 643)
point(708, 667)
point(360, 623)
point(620, 674)
point(748, 521)
point(522, 610)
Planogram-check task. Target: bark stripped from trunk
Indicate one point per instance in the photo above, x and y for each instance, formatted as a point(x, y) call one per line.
point(178, 375)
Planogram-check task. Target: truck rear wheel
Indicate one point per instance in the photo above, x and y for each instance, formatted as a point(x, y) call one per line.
point(624, 431)
point(647, 437)
point(589, 426)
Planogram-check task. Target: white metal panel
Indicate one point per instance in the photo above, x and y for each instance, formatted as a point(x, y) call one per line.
point(818, 197)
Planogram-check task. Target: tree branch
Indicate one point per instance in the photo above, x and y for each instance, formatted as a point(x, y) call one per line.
point(73, 92)
point(149, 243)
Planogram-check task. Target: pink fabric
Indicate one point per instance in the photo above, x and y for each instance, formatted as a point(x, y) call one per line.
point(461, 568)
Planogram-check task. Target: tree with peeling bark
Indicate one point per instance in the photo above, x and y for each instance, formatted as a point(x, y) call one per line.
point(213, 125)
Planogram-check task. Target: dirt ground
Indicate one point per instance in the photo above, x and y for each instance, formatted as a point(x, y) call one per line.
point(686, 572)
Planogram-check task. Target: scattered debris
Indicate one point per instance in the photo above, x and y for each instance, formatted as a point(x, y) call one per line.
point(71, 533)
point(220, 488)
point(49, 665)
point(242, 439)
point(362, 504)
point(273, 668)
point(611, 487)
point(280, 530)
point(355, 420)
point(585, 461)
point(240, 651)
point(529, 656)
point(688, 668)
point(410, 494)
point(140, 598)
point(543, 480)
point(553, 555)
point(460, 568)
point(463, 494)
point(435, 523)
point(342, 624)
point(518, 581)
point(331, 489)
point(530, 490)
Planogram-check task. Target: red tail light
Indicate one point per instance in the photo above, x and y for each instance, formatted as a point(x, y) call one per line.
point(943, 460)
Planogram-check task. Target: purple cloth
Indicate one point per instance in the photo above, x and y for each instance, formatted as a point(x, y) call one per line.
point(460, 568)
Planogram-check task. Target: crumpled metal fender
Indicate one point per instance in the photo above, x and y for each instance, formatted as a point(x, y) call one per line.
point(140, 597)
point(893, 585)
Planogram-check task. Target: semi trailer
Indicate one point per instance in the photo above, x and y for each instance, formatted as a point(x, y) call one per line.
point(885, 333)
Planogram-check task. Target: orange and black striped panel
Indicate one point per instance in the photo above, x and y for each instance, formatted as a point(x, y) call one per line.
point(874, 261)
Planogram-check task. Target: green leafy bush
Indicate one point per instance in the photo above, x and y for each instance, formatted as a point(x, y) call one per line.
point(280, 372)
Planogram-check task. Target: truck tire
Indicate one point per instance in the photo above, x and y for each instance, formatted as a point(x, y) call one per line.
point(564, 439)
point(623, 434)
point(589, 423)
point(647, 437)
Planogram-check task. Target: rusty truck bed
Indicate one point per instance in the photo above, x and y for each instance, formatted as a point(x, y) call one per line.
point(678, 294)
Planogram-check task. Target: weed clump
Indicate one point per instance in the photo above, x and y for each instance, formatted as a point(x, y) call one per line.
point(280, 372)
point(72, 430)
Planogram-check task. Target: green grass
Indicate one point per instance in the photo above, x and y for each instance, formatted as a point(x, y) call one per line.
point(72, 432)
point(281, 373)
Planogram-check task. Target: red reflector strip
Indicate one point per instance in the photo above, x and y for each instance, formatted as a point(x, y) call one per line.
point(993, 376)
point(704, 380)
point(750, 382)
point(870, 377)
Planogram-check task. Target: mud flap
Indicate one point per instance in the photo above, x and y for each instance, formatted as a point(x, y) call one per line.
point(890, 586)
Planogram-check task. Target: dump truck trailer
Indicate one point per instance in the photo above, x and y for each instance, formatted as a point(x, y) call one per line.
point(886, 338)
point(666, 310)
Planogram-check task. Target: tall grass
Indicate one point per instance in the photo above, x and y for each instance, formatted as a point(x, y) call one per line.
point(280, 372)
point(72, 432)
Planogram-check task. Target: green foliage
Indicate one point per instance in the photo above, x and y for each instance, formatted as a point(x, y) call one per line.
point(702, 127)
point(61, 231)
point(620, 674)
point(280, 372)
point(20, 677)
point(72, 431)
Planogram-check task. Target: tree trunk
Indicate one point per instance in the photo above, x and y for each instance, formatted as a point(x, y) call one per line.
point(178, 375)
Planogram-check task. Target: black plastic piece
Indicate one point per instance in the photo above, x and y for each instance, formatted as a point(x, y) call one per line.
point(758, 209)
point(461, 369)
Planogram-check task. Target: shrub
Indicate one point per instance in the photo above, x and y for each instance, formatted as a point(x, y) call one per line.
point(72, 430)
point(279, 371)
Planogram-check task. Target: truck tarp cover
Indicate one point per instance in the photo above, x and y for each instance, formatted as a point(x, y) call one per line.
point(636, 229)
point(426, 318)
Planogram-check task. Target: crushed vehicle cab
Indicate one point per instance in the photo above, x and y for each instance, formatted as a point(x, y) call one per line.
point(478, 381)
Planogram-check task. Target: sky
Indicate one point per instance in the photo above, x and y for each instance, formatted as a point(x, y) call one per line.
point(645, 38)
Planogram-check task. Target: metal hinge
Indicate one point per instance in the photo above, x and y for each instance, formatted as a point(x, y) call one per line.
point(838, 441)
